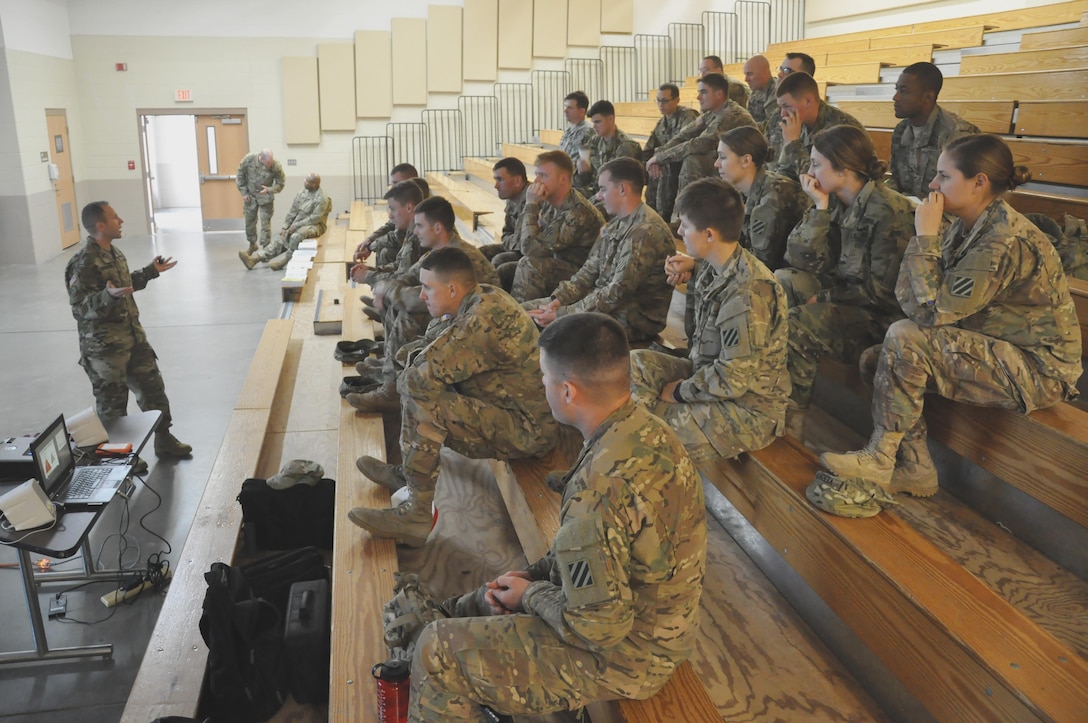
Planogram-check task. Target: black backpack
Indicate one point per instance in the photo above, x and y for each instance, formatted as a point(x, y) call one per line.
point(246, 677)
point(299, 516)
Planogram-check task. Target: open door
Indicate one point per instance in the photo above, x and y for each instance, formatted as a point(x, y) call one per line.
point(221, 143)
point(60, 172)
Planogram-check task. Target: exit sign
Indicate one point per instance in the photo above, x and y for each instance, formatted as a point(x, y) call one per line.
point(183, 96)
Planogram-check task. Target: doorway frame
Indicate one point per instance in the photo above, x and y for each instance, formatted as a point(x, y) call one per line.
point(144, 161)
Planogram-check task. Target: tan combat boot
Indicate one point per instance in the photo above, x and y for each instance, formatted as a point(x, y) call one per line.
point(914, 471)
point(409, 523)
point(383, 399)
point(247, 259)
point(389, 476)
point(252, 248)
point(279, 262)
point(875, 463)
point(795, 421)
point(167, 445)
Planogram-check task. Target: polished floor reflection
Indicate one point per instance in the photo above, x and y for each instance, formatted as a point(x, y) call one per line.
point(204, 319)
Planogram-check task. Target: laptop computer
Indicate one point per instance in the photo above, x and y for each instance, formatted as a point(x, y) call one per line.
point(62, 481)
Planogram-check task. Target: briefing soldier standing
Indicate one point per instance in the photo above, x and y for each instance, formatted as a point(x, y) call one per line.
point(113, 347)
point(471, 383)
point(259, 178)
point(307, 218)
point(661, 189)
point(624, 275)
point(729, 396)
point(611, 611)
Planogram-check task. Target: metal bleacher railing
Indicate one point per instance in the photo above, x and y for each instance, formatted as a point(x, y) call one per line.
point(517, 112)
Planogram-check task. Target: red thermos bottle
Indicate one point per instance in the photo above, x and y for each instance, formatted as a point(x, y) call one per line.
point(392, 680)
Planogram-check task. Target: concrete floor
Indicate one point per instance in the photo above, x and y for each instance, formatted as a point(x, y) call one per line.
point(204, 319)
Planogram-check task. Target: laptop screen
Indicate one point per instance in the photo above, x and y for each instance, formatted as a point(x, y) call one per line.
point(52, 455)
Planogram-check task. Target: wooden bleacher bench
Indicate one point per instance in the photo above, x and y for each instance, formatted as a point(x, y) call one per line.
point(1052, 161)
point(1054, 39)
point(483, 209)
point(1062, 118)
point(1051, 204)
point(550, 137)
point(857, 73)
point(1032, 85)
point(897, 57)
point(172, 671)
point(524, 152)
point(989, 116)
point(960, 37)
point(481, 168)
point(1025, 60)
point(363, 566)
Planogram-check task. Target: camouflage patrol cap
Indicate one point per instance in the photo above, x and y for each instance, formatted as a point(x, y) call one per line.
point(297, 471)
point(1047, 225)
point(850, 497)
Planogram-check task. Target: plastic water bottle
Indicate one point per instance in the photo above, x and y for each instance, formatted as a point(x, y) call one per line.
point(392, 680)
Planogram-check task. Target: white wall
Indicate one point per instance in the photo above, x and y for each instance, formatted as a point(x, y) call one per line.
point(36, 26)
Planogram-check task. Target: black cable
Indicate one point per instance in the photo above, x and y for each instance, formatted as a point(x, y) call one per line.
point(158, 504)
point(122, 528)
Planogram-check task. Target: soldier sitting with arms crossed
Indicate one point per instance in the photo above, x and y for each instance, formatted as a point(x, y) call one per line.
point(729, 396)
point(471, 383)
point(624, 275)
point(989, 318)
point(611, 611)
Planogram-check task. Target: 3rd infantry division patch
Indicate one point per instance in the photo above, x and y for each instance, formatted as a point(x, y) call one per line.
point(580, 575)
point(963, 285)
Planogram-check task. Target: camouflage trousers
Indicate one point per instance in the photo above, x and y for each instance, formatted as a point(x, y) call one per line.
point(252, 212)
point(827, 329)
point(505, 263)
point(537, 276)
point(706, 429)
point(401, 326)
point(661, 192)
point(515, 664)
point(469, 426)
point(279, 244)
point(800, 286)
point(957, 364)
point(113, 375)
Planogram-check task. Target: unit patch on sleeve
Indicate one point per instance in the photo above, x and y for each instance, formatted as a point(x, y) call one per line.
point(962, 286)
point(581, 576)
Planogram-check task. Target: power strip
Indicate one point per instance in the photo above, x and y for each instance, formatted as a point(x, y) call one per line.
point(121, 594)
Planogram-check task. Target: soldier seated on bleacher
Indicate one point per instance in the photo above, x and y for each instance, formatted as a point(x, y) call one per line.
point(511, 184)
point(401, 200)
point(729, 396)
point(471, 382)
point(989, 318)
point(607, 143)
point(624, 275)
point(925, 130)
point(661, 189)
point(737, 92)
point(804, 114)
point(307, 218)
point(378, 242)
point(611, 611)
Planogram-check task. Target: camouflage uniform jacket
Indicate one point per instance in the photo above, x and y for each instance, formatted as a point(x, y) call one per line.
point(1002, 279)
point(860, 246)
point(915, 150)
point(625, 571)
point(514, 208)
point(309, 209)
point(487, 350)
point(738, 91)
point(252, 174)
point(763, 104)
point(773, 207)
point(106, 325)
point(566, 233)
point(793, 158)
point(666, 128)
point(384, 230)
point(624, 275)
point(408, 253)
point(405, 287)
point(738, 345)
point(601, 151)
point(575, 137)
point(700, 137)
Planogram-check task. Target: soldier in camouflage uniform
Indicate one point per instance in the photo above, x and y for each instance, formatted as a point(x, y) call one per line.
point(773, 204)
point(471, 383)
point(113, 348)
point(803, 116)
point(556, 230)
point(379, 242)
point(925, 130)
point(763, 103)
point(729, 396)
point(608, 142)
point(307, 218)
point(402, 200)
point(737, 92)
point(989, 318)
point(403, 314)
point(259, 178)
point(611, 610)
point(511, 184)
point(578, 131)
point(662, 188)
point(624, 275)
point(845, 258)
point(696, 145)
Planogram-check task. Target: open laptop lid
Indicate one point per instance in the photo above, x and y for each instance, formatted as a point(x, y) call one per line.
point(52, 454)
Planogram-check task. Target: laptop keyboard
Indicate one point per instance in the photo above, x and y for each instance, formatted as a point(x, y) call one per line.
point(86, 481)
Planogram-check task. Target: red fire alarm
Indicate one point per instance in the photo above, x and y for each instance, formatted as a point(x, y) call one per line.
point(132, 165)
point(121, 67)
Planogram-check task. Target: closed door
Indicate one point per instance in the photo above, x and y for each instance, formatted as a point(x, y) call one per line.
point(221, 143)
point(64, 184)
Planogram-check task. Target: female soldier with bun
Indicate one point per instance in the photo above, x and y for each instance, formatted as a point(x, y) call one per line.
point(989, 317)
point(845, 258)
